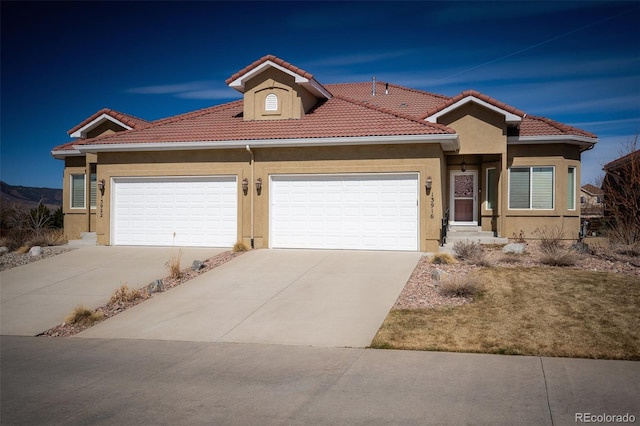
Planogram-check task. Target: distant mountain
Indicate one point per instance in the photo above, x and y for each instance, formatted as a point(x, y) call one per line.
point(29, 196)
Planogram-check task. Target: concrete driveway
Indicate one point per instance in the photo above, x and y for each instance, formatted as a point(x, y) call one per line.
point(39, 295)
point(293, 297)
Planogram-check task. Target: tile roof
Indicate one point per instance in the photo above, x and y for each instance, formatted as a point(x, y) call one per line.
point(635, 155)
point(129, 120)
point(541, 126)
point(333, 118)
point(273, 59)
point(592, 189)
point(353, 111)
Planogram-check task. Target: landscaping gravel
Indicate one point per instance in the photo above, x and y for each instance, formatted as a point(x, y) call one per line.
point(12, 259)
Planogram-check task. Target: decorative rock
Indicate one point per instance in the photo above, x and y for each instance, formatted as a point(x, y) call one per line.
point(35, 251)
point(4, 250)
point(156, 287)
point(197, 265)
point(517, 248)
point(439, 274)
point(582, 247)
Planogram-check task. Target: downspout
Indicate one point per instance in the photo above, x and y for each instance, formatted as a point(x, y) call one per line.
point(251, 190)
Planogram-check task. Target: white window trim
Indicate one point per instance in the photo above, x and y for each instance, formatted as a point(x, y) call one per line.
point(553, 189)
point(72, 177)
point(575, 172)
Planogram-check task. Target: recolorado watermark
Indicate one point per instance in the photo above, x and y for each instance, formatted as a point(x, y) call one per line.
point(605, 418)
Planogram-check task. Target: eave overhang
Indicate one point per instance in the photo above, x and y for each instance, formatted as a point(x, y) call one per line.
point(310, 84)
point(448, 142)
point(584, 142)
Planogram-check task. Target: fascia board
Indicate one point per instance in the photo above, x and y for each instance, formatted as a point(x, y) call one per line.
point(60, 155)
point(508, 116)
point(95, 122)
point(447, 142)
point(523, 140)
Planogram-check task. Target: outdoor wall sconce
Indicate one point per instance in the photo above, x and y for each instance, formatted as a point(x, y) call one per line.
point(463, 166)
point(428, 183)
point(245, 186)
point(259, 185)
point(101, 186)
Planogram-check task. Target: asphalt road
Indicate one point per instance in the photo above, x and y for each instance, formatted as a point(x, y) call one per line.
point(150, 382)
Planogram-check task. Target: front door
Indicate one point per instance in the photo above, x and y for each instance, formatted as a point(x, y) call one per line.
point(464, 197)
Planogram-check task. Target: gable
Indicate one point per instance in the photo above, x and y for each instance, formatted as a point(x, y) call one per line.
point(481, 130)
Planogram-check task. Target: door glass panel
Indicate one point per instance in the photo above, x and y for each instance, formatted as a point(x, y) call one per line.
point(463, 186)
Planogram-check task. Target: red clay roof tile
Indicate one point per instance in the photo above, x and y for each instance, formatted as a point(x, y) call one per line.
point(129, 120)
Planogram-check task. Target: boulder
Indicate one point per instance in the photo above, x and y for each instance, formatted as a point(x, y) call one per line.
point(439, 274)
point(156, 287)
point(35, 251)
point(197, 265)
point(517, 248)
point(4, 250)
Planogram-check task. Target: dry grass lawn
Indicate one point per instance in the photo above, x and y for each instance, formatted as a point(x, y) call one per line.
point(540, 311)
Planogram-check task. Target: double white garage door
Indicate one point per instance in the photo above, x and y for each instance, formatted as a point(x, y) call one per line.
point(374, 211)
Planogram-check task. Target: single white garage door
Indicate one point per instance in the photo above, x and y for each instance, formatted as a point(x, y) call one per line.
point(199, 211)
point(368, 212)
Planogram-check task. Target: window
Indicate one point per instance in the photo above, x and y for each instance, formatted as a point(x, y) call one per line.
point(271, 102)
point(531, 188)
point(571, 188)
point(492, 186)
point(77, 191)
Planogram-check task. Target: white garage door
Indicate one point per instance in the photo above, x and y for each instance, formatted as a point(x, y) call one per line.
point(369, 212)
point(200, 211)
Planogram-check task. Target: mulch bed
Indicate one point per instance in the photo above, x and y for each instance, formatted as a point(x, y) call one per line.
point(111, 309)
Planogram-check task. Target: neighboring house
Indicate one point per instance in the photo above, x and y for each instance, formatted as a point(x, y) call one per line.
point(300, 164)
point(591, 201)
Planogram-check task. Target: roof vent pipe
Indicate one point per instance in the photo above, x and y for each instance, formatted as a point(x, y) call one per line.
point(386, 88)
point(373, 87)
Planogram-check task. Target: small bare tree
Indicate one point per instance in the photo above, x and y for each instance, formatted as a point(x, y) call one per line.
point(621, 187)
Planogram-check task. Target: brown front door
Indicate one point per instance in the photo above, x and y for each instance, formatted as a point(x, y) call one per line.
point(464, 189)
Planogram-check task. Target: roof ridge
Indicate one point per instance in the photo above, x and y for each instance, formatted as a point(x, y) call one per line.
point(118, 115)
point(394, 113)
point(397, 86)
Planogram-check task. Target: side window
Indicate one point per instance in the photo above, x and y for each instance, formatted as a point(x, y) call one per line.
point(491, 190)
point(571, 188)
point(271, 102)
point(77, 191)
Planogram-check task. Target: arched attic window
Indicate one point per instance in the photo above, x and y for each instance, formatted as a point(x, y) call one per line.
point(271, 102)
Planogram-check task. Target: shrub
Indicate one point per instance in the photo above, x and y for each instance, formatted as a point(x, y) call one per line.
point(124, 295)
point(15, 238)
point(83, 316)
point(553, 252)
point(240, 247)
point(460, 286)
point(519, 238)
point(549, 237)
point(48, 237)
point(173, 264)
point(624, 238)
point(466, 250)
point(443, 259)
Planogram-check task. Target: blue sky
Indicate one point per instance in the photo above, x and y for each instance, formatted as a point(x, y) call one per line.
point(577, 62)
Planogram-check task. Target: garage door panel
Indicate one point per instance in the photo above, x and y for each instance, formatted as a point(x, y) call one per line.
point(199, 211)
point(344, 211)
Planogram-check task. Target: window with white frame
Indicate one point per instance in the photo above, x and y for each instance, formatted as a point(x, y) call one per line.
point(271, 102)
point(78, 191)
point(531, 188)
point(571, 188)
point(492, 188)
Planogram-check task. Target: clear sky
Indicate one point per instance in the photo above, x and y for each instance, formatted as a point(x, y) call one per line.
point(577, 62)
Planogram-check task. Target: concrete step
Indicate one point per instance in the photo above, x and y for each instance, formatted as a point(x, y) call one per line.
point(459, 233)
point(86, 239)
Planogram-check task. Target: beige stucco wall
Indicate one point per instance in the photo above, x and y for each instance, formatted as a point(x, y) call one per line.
point(480, 130)
point(293, 100)
point(422, 159)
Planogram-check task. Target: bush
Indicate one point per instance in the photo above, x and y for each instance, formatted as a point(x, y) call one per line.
point(83, 316)
point(173, 264)
point(465, 286)
point(240, 247)
point(124, 295)
point(553, 252)
point(624, 238)
point(49, 237)
point(443, 259)
point(466, 250)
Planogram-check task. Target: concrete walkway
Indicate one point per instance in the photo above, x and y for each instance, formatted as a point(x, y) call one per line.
point(39, 295)
point(293, 297)
point(144, 382)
